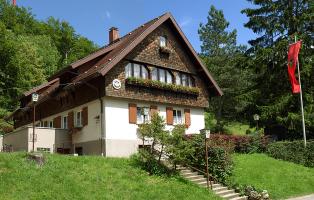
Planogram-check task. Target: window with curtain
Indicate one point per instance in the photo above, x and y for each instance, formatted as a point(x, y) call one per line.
point(136, 70)
point(162, 75)
point(162, 41)
point(184, 79)
point(177, 117)
point(169, 78)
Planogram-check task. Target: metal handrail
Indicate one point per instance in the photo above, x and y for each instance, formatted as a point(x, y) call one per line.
point(204, 173)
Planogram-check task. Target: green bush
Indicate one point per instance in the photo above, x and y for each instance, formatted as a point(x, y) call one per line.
point(148, 162)
point(293, 151)
point(219, 159)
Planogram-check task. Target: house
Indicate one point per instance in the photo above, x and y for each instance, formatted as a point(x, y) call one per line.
point(94, 105)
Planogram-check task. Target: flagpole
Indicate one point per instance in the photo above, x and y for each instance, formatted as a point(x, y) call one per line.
point(301, 98)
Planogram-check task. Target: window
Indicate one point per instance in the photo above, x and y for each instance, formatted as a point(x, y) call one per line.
point(142, 115)
point(45, 150)
point(136, 70)
point(64, 124)
point(50, 124)
point(155, 74)
point(185, 79)
point(177, 117)
point(78, 119)
point(178, 79)
point(161, 75)
point(169, 78)
point(163, 41)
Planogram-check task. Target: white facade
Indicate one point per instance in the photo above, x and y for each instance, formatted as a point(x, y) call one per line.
point(121, 136)
point(46, 139)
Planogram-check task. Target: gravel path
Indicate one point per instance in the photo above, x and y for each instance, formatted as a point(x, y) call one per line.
point(308, 197)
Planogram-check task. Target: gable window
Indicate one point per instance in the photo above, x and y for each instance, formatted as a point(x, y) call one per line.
point(162, 41)
point(136, 70)
point(64, 124)
point(142, 115)
point(161, 75)
point(78, 119)
point(177, 117)
point(184, 79)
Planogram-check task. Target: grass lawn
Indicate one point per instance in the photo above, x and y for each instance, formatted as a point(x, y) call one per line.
point(280, 178)
point(237, 128)
point(88, 177)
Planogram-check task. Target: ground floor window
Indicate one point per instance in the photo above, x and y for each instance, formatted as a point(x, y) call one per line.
point(50, 124)
point(142, 115)
point(42, 149)
point(177, 117)
point(78, 119)
point(64, 124)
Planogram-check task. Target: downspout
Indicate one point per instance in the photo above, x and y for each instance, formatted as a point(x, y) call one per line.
point(102, 128)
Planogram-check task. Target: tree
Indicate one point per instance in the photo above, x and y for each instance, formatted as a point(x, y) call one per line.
point(31, 51)
point(227, 62)
point(276, 23)
point(155, 132)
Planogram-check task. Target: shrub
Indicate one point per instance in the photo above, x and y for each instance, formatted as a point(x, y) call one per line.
point(293, 151)
point(219, 159)
point(147, 161)
point(254, 143)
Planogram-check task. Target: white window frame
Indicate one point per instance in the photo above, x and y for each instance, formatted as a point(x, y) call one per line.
point(162, 41)
point(78, 123)
point(50, 124)
point(140, 116)
point(130, 71)
point(176, 119)
point(64, 125)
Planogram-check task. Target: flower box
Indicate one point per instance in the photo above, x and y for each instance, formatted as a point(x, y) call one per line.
point(162, 86)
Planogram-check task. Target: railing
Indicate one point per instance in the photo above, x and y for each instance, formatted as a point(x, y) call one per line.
point(207, 175)
point(209, 182)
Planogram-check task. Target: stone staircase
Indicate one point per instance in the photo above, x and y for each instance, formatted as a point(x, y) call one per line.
point(200, 180)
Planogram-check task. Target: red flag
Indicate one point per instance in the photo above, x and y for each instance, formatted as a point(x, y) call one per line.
point(293, 53)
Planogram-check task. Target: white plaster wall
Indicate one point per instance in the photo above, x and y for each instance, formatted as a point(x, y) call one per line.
point(45, 138)
point(119, 131)
point(18, 139)
point(90, 132)
point(117, 118)
point(87, 133)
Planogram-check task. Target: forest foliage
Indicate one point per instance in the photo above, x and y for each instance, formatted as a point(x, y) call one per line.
point(255, 81)
point(31, 51)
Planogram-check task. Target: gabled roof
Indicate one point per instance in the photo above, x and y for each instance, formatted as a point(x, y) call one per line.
point(43, 86)
point(115, 52)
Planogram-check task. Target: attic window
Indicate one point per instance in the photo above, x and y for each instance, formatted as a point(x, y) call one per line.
point(163, 41)
point(136, 70)
point(185, 79)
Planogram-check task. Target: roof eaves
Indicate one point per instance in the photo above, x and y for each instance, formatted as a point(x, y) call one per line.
point(134, 43)
point(220, 93)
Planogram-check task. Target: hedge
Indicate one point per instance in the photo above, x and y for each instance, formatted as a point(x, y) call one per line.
point(242, 143)
point(293, 151)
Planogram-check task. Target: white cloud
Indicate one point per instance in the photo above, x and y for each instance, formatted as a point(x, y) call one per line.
point(108, 15)
point(185, 22)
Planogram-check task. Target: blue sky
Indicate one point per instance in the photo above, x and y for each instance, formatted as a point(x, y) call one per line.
point(93, 18)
